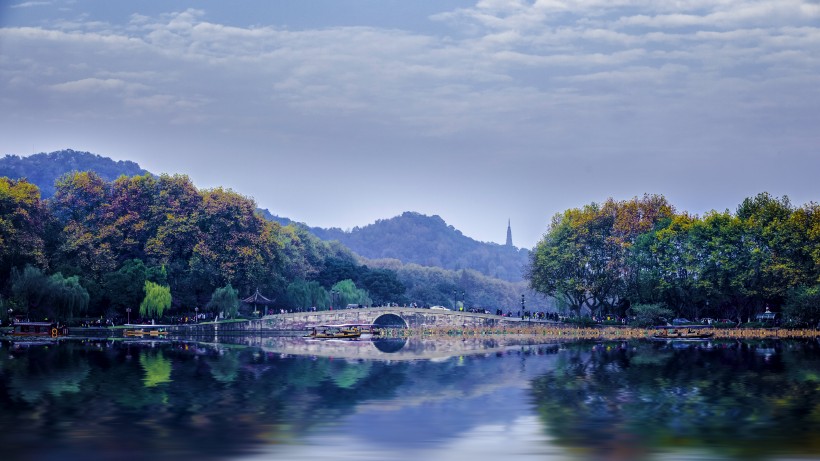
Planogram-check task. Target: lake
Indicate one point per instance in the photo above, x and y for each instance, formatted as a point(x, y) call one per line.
point(409, 399)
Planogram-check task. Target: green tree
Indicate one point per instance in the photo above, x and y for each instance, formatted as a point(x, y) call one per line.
point(647, 315)
point(225, 300)
point(347, 293)
point(578, 261)
point(30, 289)
point(157, 300)
point(302, 294)
point(48, 297)
point(126, 286)
point(802, 307)
point(383, 286)
point(67, 297)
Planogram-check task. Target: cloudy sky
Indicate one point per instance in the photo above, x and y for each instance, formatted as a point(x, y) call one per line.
point(340, 112)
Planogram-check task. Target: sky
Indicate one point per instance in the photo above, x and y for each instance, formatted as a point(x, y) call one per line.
point(337, 113)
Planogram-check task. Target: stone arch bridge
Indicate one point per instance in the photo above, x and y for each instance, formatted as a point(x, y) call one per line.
point(400, 317)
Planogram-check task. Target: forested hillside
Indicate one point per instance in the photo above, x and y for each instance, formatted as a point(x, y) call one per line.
point(429, 241)
point(410, 238)
point(97, 247)
point(44, 169)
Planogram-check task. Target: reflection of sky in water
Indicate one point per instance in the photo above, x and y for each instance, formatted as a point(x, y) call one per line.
point(417, 425)
point(519, 439)
point(486, 420)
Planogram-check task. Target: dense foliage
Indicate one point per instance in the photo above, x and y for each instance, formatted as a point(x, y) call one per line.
point(99, 247)
point(604, 258)
point(115, 231)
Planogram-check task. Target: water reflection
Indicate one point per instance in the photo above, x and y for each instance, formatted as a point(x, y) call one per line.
point(476, 399)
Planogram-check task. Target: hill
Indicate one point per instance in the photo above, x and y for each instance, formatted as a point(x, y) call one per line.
point(43, 169)
point(429, 241)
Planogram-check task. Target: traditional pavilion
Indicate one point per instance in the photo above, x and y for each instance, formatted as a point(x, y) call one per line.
point(257, 299)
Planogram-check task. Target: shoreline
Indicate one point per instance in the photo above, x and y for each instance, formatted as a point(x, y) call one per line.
point(545, 332)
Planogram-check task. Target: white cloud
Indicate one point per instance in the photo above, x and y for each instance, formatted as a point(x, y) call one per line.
point(619, 79)
point(89, 85)
point(30, 4)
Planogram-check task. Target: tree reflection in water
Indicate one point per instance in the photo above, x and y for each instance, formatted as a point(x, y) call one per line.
point(736, 400)
point(95, 400)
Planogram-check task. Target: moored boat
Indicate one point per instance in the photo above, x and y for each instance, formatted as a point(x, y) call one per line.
point(682, 333)
point(51, 329)
point(333, 332)
point(139, 331)
point(344, 331)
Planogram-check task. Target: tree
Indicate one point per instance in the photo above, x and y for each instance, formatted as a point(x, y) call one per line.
point(54, 297)
point(383, 286)
point(647, 315)
point(23, 223)
point(126, 286)
point(80, 206)
point(157, 300)
point(347, 293)
point(802, 307)
point(234, 242)
point(302, 294)
point(578, 260)
point(225, 300)
point(67, 297)
point(30, 290)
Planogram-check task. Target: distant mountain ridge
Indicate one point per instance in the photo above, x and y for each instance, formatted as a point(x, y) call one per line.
point(411, 238)
point(427, 241)
point(43, 169)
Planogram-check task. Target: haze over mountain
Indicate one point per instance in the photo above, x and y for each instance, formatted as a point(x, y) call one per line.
point(411, 238)
point(43, 169)
point(428, 241)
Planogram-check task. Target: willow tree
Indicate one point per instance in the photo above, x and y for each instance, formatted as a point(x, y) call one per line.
point(225, 300)
point(67, 297)
point(157, 299)
point(346, 292)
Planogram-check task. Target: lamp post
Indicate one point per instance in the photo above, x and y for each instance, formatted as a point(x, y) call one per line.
point(128, 312)
point(10, 312)
point(196, 315)
point(455, 301)
point(332, 298)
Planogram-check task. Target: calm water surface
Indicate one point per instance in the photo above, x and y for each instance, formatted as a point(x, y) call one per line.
point(478, 399)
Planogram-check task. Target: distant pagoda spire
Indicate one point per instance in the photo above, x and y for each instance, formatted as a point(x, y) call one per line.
point(509, 234)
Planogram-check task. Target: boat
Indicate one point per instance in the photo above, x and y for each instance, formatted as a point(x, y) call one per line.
point(344, 331)
point(47, 329)
point(682, 333)
point(140, 331)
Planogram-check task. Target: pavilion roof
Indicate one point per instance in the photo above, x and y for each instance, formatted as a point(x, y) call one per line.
point(257, 298)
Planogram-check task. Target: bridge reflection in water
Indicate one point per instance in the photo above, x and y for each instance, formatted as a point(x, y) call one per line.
point(390, 348)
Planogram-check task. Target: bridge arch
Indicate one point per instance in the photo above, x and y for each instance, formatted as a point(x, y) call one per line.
point(390, 321)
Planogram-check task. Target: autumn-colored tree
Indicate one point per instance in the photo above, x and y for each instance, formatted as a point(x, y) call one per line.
point(23, 223)
point(81, 206)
